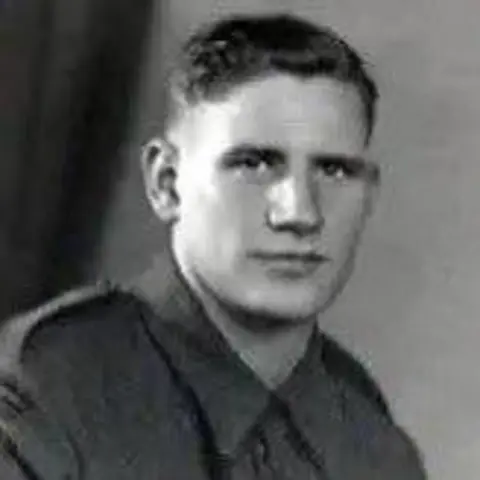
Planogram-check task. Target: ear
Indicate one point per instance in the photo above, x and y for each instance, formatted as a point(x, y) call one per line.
point(159, 161)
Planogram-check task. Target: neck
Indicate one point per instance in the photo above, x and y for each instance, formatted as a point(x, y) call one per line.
point(269, 347)
point(271, 353)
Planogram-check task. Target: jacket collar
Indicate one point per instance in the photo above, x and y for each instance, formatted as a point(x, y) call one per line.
point(230, 394)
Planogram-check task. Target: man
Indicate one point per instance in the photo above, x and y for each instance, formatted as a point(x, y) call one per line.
point(211, 364)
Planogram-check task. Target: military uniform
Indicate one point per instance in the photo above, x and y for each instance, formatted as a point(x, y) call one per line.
point(134, 382)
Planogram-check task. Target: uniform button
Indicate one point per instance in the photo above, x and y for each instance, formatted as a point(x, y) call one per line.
point(262, 451)
point(260, 455)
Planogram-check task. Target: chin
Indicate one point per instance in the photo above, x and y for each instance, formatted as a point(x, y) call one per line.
point(286, 306)
point(293, 316)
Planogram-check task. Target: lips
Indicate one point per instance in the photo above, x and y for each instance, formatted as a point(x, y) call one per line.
point(290, 256)
point(291, 264)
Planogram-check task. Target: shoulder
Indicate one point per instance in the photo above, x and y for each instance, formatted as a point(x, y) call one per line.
point(61, 319)
point(343, 365)
point(39, 350)
point(397, 451)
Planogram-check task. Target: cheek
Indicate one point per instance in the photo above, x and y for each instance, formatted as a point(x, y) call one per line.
point(345, 215)
point(220, 213)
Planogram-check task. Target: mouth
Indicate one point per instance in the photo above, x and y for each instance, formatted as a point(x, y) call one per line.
point(292, 264)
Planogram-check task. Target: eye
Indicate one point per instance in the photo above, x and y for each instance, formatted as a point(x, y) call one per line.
point(254, 162)
point(335, 170)
point(341, 169)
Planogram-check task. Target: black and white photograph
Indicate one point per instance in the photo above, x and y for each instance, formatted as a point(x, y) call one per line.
point(239, 240)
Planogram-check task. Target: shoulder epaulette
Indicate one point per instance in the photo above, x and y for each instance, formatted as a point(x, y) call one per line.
point(18, 328)
point(72, 299)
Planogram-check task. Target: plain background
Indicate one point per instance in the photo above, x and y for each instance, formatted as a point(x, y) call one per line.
point(411, 310)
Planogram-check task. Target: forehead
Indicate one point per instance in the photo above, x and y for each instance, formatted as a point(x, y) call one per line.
point(317, 114)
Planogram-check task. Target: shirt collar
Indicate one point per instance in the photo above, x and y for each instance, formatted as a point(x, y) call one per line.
point(232, 396)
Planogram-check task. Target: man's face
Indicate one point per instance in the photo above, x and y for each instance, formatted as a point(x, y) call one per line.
point(273, 193)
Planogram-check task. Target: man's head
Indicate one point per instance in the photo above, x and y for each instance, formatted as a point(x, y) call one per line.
point(262, 173)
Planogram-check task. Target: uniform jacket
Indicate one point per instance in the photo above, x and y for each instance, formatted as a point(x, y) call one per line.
point(113, 383)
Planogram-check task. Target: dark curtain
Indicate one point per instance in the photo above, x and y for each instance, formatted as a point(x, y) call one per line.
point(69, 78)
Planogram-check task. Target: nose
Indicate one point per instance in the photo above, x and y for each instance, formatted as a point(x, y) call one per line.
point(295, 205)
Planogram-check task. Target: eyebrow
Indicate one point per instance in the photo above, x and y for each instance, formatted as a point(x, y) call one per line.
point(262, 151)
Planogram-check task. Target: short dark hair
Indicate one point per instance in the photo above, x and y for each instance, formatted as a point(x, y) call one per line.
point(237, 49)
